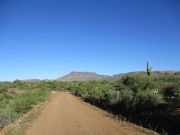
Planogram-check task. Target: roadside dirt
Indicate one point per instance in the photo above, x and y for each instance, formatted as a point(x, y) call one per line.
point(65, 114)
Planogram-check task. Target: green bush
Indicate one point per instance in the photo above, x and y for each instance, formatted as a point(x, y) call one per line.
point(113, 97)
point(7, 115)
point(172, 95)
point(177, 99)
point(3, 89)
point(26, 101)
point(148, 98)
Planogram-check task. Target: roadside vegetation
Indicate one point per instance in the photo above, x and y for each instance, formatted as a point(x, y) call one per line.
point(18, 98)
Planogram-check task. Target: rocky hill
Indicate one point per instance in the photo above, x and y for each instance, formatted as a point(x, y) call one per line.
point(82, 76)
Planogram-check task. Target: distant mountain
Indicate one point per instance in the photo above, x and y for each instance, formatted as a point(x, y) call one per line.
point(167, 73)
point(82, 76)
point(155, 73)
point(86, 76)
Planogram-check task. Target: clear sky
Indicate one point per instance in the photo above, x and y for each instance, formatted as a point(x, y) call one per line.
point(49, 38)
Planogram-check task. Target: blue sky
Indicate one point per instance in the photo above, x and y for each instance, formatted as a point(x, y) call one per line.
point(49, 38)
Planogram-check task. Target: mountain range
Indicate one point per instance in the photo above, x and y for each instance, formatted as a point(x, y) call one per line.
point(85, 76)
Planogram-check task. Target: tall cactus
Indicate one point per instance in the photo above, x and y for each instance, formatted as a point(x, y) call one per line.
point(149, 72)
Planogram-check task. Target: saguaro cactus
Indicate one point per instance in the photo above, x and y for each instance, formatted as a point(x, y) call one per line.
point(149, 72)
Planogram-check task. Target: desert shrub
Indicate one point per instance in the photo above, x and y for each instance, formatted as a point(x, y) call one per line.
point(113, 97)
point(126, 95)
point(138, 83)
point(7, 115)
point(27, 100)
point(148, 99)
point(172, 95)
point(177, 98)
point(79, 90)
point(23, 104)
point(18, 84)
point(3, 88)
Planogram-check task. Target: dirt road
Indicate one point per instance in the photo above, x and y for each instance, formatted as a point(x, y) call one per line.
point(65, 114)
